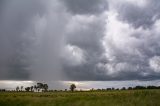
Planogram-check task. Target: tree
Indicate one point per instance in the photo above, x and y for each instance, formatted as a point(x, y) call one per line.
point(17, 88)
point(113, 88)
point(21, 88)
point(31, 88)
point(35, 87)
point(72, 87)
point(39, 86)
point(45, 87)
point(123, 88)
point(109, 89)
point(27, 89)
point(130, 88)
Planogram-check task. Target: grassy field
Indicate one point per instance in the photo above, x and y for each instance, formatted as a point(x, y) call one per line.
point(95, 98)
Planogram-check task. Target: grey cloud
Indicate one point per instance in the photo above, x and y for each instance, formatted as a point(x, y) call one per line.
point(86, 6)
point(79, 40)
point(138, 16)
point(31, 39)
point(129, 47)
point(86, 34)
point(15, 41)
point(32, 33)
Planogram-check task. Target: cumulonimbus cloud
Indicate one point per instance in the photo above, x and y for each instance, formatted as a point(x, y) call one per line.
point(79, 40)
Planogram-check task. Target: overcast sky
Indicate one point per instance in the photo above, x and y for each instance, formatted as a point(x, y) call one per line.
point(91, 40)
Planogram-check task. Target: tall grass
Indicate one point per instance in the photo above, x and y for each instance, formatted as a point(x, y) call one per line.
point(95, 98)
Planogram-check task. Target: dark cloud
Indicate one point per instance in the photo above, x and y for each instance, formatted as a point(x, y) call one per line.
point(140, 15)
point(31, 39)
point(130, 43)
point(15, 20)
point(86, 33)
point(86, 6)
point(79, 40)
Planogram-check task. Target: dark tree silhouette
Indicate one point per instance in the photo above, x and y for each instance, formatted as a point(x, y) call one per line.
point(2, 90)
point(113, 88)
point(123, 88)
point(45, 87)
point(17, 88)
point(109, 89)
point(40, 85)
point(72, 87)
point(140, 87)
point(21, 88)
point(130, 88)
point(31, 88)
point(27, 89)
point(35, 87)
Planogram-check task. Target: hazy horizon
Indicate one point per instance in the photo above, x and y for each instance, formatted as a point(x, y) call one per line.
point(81, 85)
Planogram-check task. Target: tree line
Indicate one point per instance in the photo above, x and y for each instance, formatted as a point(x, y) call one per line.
point(42, 87)
point(36, 88)
point(127, 88)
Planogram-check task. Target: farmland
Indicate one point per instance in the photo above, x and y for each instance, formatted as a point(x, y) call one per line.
point(87, 98)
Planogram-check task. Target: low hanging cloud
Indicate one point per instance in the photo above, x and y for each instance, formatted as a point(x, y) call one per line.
point(79, 40)
point(15, 37)
point(31, 39)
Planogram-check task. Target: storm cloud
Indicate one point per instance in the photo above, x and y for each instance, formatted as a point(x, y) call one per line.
point(14, 38)
point(80, 40)
point(86, 6)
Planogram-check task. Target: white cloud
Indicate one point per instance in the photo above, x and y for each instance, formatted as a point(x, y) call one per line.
point(74, 55)
point(125, 45)
point(154, 63)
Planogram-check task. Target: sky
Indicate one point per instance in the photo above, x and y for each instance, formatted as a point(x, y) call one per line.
point(80, 40)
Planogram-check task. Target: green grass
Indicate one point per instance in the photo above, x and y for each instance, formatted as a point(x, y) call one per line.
point(96, 98)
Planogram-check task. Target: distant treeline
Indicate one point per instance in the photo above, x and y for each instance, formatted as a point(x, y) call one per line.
point(2, 90)
point(128, 88)
point(40, 87)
